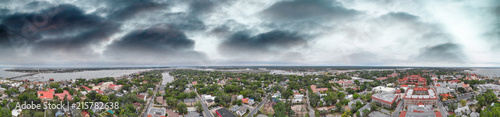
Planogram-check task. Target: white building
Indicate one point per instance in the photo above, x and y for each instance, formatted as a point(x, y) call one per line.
point(206, 97)
point(384, 89)
point(241, 111)
point(105, 86)
point(297, 98)
point(462, 110)
point(16, 112)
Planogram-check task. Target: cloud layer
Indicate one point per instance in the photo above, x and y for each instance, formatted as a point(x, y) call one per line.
point(257, 32)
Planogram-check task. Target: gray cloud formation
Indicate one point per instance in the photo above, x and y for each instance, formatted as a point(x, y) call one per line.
point(123, 10)
point(274, 43)
point(285, 32)
point(63, 30)
point(448, 52)
point(155, 44)
point(315, 10)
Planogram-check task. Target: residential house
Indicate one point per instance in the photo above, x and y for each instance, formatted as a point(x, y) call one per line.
point(241, 111)
point(142, 96)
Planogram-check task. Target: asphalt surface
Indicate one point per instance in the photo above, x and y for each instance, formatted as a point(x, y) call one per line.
point(206, 111)
point(442, 110)
point(311, 110)
point(150, 100)
point(257, 108)
point(397, 110)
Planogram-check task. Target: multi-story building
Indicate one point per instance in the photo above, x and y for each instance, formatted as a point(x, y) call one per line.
point(420, 95)
point(387, 100)
point(417, 80)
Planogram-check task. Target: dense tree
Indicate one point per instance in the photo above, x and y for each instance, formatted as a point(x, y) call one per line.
point(355, 96)
point(198, 106)
point(463, 102)
point(54, 85)
point(287, 94)
point(5, 112)
point(182, 108)
point(282, 110)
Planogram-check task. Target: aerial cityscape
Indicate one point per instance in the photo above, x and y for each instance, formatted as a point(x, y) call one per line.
point(249, 58)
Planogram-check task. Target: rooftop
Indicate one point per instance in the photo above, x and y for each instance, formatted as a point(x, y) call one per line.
point(420, 111)
point(223, 112)
point(429, 95)
point(385, 97)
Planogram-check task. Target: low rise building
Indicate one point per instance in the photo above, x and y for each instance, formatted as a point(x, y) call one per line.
point(223, 112)
point(420, 111)
point(241, 111)
point(345, 83)
point(315, 89)
point(384, 89)
point(462, 110)
point(420, 95)
point(297, 98)
point(387, 100)
point(157, 112)
point(64, 94)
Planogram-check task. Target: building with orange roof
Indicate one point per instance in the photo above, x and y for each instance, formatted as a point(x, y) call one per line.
point(85, 114)
point(114, 87)
point(99, 91)
point(381, 78)
point(413, 79)
point(63, 94)
point(345, 83)
point(315, 90)
point(420, 110)
point(86, 88)
point(419, 95)
point(245, 100)
point(46, 95)
point(393, 74)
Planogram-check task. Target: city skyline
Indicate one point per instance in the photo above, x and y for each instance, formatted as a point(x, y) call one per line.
point(152, 33)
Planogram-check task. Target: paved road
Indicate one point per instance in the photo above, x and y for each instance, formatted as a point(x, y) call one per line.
point(311, 110)
point(397, 110)
point(150, 101)
point(465, 96)
point(442, 110)
point(206, 112)
point(257, 108)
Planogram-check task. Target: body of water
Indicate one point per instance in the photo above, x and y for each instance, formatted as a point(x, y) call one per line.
point(84, 74)
point(490, 72)
point(8, 74)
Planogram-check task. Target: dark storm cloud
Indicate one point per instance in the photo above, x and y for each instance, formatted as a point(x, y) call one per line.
point(62, 28)
point(4, 36)
point(155, 43)
point(401, 16)
point(184, 21)
point(448, 52)
point(124, 10)
point(200, 7)
point(37, 5)
point(298, 10)
point(274, 42)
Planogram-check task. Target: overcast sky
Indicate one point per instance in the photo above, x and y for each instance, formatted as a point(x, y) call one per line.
point(86, 33)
